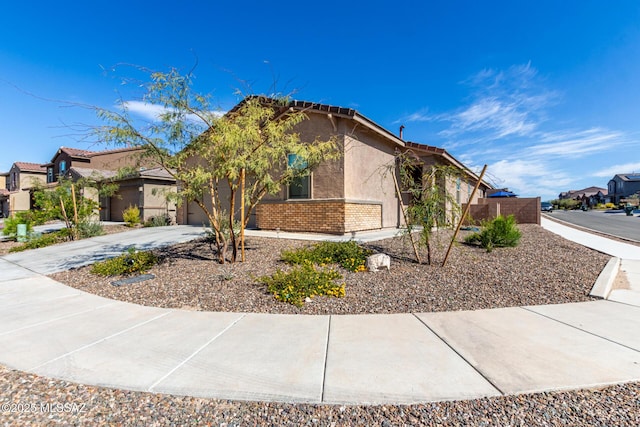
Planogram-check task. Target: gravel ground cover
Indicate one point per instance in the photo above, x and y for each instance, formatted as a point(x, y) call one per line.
point(28, 399)
point(543, 269)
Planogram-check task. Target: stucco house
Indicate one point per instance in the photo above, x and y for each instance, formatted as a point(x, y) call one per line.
point(589, 196)
point(355, 192)
point(623, 185)
point(112, 160)
point(20, 179)
point(4, 194)
point(142, 186)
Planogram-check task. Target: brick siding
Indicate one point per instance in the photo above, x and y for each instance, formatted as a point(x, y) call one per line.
point(319, 216)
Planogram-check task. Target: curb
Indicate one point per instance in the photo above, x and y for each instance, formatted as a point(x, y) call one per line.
point(604, 283)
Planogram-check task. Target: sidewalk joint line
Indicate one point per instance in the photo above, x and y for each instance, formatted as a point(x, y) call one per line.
point(202, 347)
point(460, 355)
point(55, 319)
point(579, 329)
point(100, 340)
point(326, 358)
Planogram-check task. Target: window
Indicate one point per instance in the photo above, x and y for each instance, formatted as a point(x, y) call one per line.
point(50, 174)
point(62, 167)
point(300, 187)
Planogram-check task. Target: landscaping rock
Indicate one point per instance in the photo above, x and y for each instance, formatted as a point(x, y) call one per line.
point(376, 261)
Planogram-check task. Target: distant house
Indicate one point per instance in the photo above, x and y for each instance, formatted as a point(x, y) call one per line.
point(19, 180)
point(353, 193)
point(4, 194)
point(66, 158)
point(145, 188)
point(589, 196)
point(624, 185)
point(139, 183)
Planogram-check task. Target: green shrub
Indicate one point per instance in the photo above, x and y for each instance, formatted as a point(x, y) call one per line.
point(90, 229)
point(158, 221)
point(305, 280)
point(131, 216)
point(497, 233)
point(39, 241)
point(349, 255)
point(11, 223)
point(131, 262)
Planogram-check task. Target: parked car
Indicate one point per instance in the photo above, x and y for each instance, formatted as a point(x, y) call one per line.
point(546, 207)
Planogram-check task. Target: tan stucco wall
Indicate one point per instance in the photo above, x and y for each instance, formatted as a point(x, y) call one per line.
point(115, 161)
point(367, 176)
point(19, 201)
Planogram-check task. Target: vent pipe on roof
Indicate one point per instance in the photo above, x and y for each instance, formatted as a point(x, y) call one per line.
point(401, 131)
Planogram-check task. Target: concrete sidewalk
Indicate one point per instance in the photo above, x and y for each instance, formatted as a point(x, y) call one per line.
point(623, 283)
point(57, 331)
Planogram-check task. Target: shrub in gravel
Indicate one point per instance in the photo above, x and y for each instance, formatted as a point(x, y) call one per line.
point(498, 233)
point(39, 242)
point(88, 228)
point(304, 281)
point(131, 216)
point(131, 262)
point(158, 221)
point(349, 255)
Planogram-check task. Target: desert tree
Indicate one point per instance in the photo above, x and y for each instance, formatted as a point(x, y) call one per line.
point(223, 162)
point(74, 202)
point(430, 204)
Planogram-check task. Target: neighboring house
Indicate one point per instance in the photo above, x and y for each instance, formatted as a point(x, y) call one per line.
point(21, 178)
point(4, 194)
point(144, 188)
point(66, 158)
point(353, 193)
point(589, 196)
point(623, 185)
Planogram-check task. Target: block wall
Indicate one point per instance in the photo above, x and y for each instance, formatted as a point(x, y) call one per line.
point(526, 210)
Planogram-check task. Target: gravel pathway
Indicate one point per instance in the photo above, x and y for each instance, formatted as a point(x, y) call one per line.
point(543, 269)
point(28, 399)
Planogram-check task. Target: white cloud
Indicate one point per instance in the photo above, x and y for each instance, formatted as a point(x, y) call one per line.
point(153, 112)
point(490, 115)
point(148, 111)
point(503, 103)
point(577, 143)
point(529, 177)
point(610, 171)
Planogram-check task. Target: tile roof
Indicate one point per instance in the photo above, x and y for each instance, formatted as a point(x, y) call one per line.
point(30, 167)
point(75, 152)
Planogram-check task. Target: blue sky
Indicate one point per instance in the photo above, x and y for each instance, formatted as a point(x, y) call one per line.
point(547, 93)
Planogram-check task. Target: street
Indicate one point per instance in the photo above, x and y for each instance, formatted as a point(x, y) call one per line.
point(616, 223)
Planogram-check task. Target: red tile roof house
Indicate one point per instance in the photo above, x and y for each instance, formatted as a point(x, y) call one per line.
point(144, 187)
point(19, 180)
point(349, 194)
